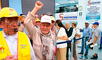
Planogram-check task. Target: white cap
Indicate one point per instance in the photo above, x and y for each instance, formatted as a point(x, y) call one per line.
point(46, 18)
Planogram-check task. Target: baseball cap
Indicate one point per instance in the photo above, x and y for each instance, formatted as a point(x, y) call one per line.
point(96, 23)
point(46, 18)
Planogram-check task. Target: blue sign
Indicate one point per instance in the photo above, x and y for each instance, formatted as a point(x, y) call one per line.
point(97, 17)
point(17, 5)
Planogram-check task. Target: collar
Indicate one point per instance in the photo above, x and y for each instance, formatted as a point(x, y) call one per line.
point(15, 35)
point(86, 28)
point(49, 34)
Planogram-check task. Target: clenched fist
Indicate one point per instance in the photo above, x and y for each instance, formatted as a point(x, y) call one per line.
point(38, 4)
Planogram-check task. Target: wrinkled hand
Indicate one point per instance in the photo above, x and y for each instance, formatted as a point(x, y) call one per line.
point(39, 4)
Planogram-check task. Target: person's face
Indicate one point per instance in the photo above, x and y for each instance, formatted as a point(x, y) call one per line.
point(45, 27)
point(57, 26)
point(11, 25)
point(73, 25)
point(38, 23)
point(95, 26)
point(22, 18)
point(86, 25)
point(67, 26)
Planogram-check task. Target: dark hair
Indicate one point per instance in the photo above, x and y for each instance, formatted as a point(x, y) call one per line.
point(74, 24)
point(59, 23)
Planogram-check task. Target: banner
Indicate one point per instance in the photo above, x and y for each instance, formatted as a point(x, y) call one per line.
point(66, 9)
point(93, 10)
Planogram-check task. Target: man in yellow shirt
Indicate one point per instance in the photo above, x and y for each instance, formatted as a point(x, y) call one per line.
point(14, 45)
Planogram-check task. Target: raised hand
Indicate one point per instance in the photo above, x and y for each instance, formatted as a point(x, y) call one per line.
point(38, 4)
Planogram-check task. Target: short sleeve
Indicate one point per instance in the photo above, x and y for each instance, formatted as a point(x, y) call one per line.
point(62, 32)
point(97, 33)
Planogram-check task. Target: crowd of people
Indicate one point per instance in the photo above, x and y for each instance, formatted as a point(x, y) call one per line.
point(41, 37)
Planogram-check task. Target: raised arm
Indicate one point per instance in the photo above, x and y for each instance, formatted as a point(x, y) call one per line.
point(31, 16)
point(38, 6)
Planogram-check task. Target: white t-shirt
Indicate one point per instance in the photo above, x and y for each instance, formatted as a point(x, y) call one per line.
point(61, 33)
